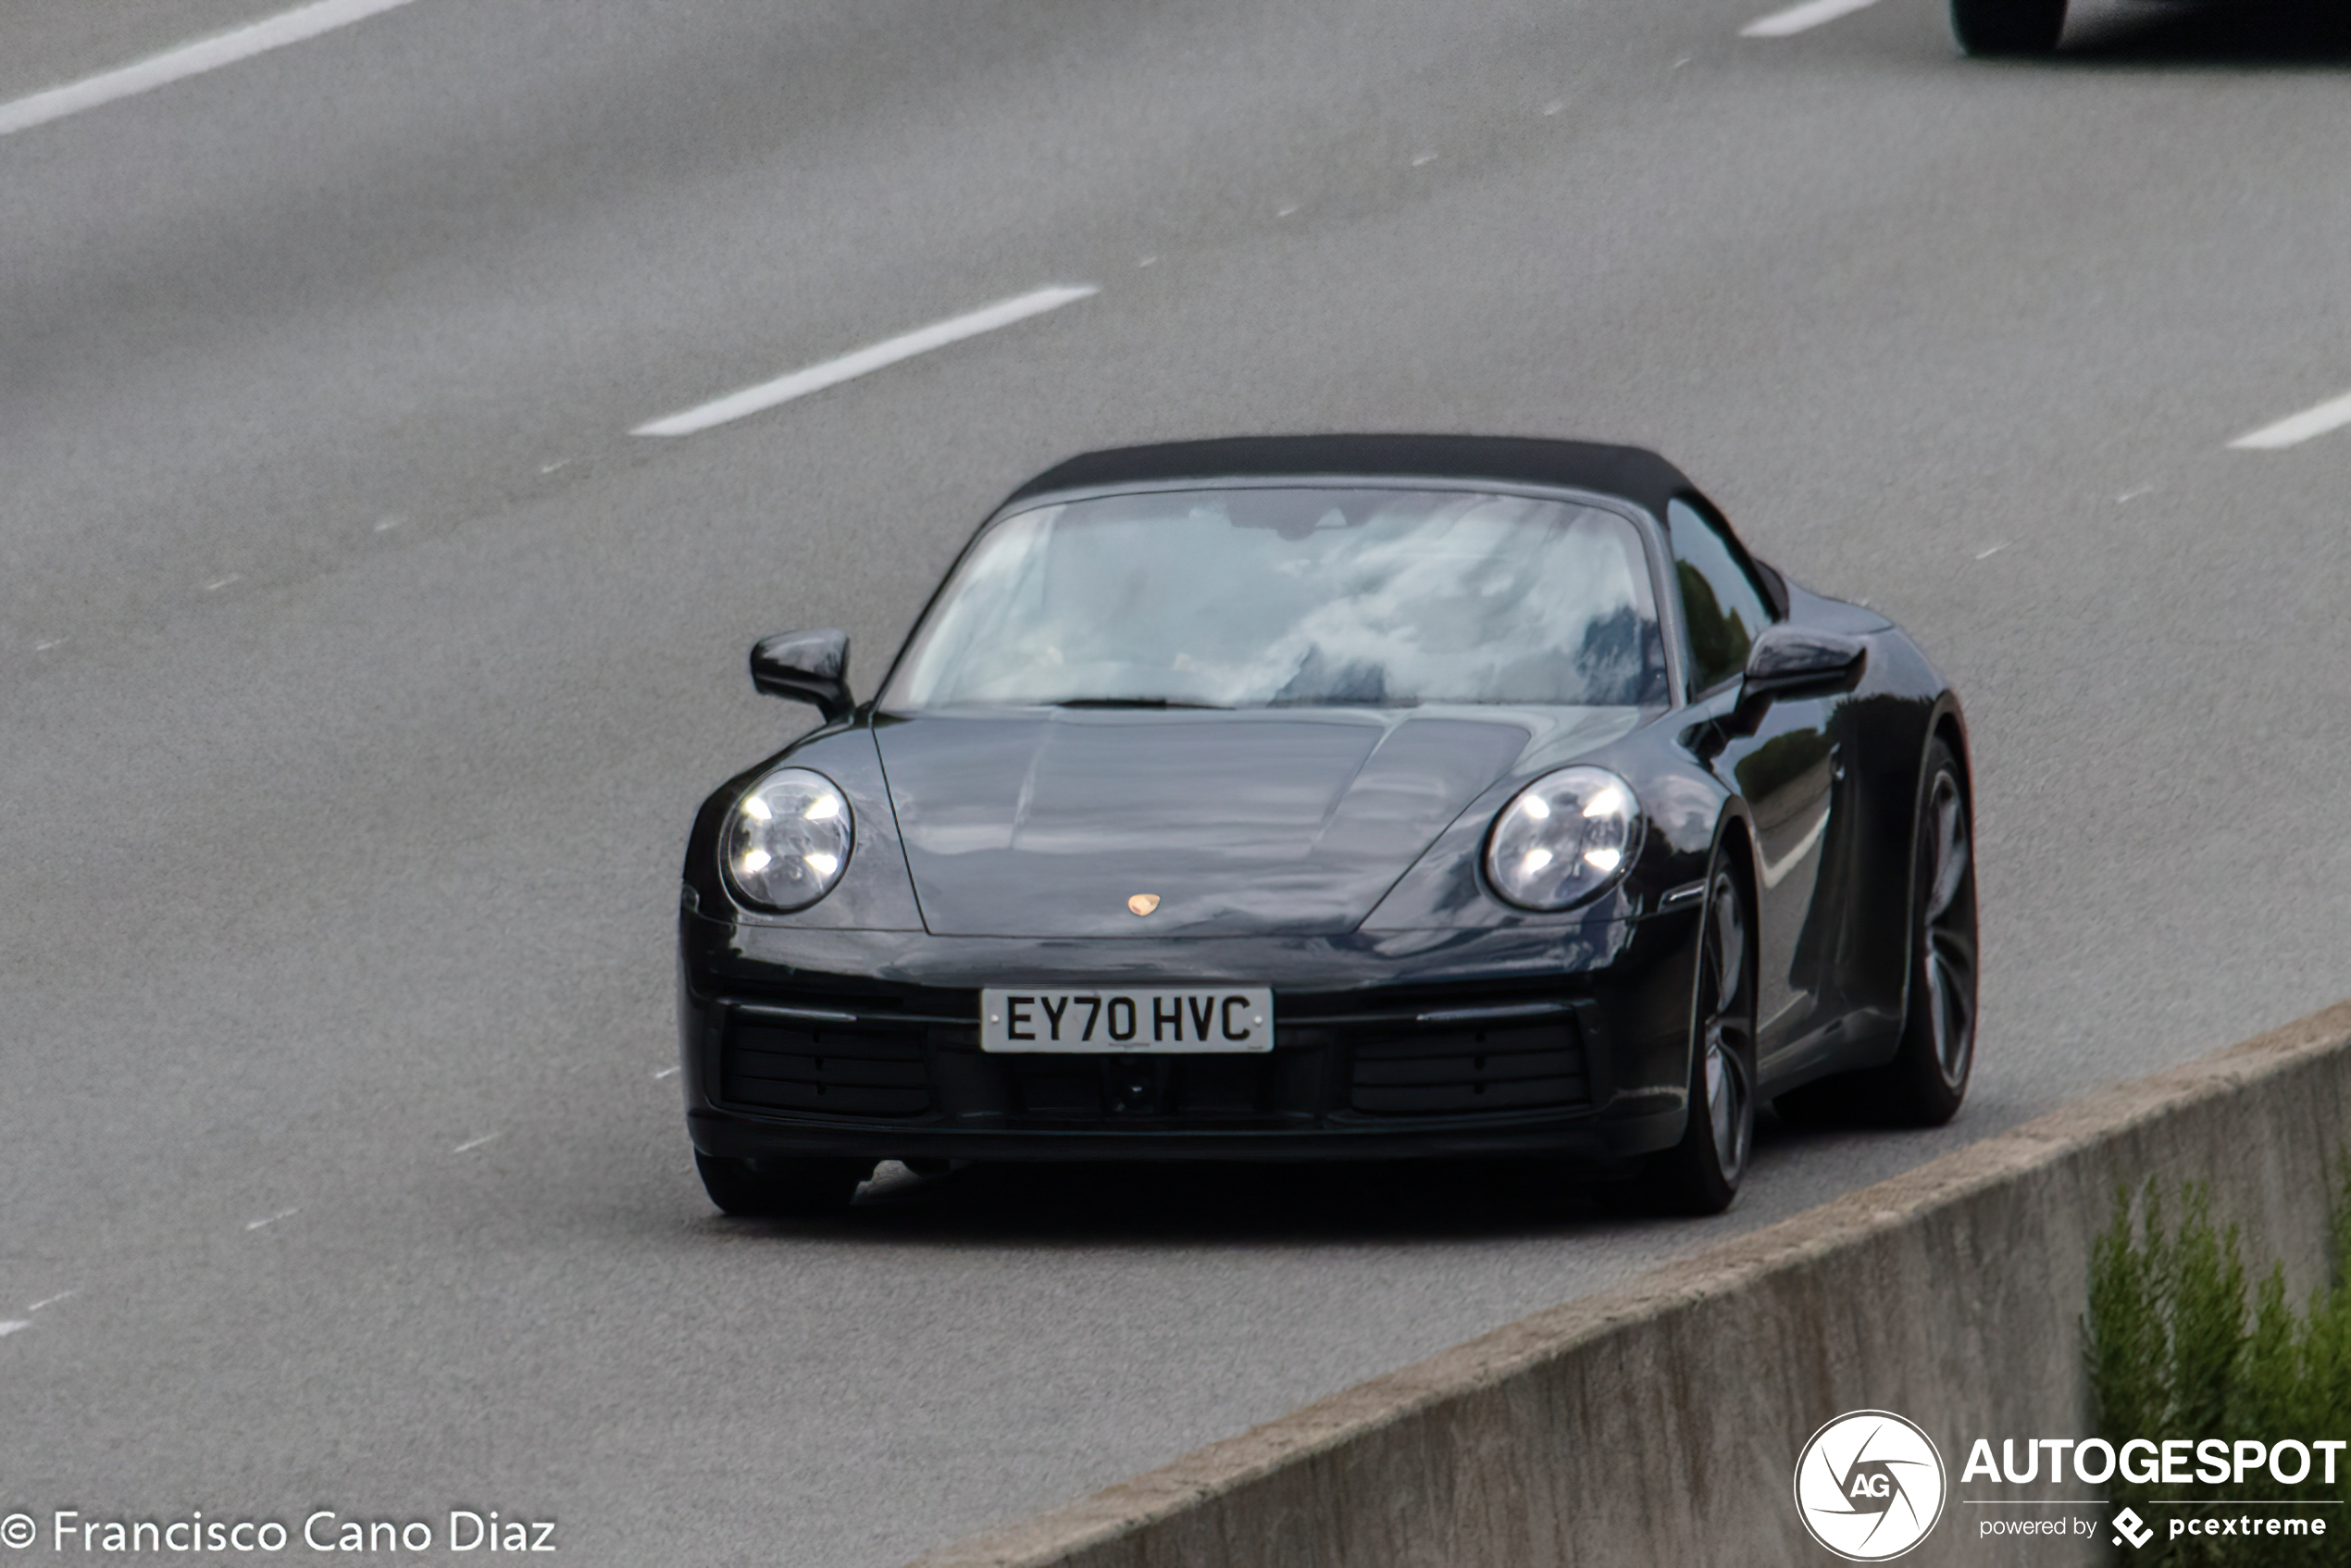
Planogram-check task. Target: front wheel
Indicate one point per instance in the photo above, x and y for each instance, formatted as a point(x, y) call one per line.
point(773, 1188)
point(2008, 27)
point(1702, 1172)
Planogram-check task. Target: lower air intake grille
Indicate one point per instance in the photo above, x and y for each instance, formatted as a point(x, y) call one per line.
point(845, 1071)
point(1514, 1066)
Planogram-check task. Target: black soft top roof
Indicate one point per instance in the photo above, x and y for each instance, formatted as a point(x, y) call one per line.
point(1632, 472)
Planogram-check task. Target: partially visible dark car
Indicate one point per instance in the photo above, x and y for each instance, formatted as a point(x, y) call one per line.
point(2008, 27)
point(1335, 796)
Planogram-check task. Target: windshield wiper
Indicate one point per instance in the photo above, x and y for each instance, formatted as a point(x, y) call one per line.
point(1130, 703)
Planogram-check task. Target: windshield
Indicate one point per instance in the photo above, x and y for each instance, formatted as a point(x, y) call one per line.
point(1297, 597)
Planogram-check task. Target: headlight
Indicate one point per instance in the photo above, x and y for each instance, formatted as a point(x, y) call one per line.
point(1564, 839)
point(788, 840)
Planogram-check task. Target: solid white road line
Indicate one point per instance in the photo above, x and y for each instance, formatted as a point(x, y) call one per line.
point(189, 59)
point(1800, 18)
point(2332, 414)
point(832, 372)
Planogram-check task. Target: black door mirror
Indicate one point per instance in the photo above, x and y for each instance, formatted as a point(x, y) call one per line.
point(1791, 659)
point(805, 667)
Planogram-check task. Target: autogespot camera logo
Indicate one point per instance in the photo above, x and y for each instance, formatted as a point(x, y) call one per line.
point(1869, 1486)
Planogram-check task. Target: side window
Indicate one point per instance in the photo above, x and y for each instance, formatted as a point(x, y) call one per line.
point(1720, 603)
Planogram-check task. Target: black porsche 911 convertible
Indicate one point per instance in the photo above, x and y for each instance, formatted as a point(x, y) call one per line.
point(1335, 797)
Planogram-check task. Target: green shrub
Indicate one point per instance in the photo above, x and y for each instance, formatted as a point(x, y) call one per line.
point(2174, 1352)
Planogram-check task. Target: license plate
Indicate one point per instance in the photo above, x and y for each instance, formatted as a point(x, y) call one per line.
point(1103, 1019)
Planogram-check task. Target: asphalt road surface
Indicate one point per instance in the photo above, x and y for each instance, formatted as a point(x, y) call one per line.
point(363, 669)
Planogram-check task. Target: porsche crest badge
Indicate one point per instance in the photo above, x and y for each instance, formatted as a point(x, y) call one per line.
point(1143, 903)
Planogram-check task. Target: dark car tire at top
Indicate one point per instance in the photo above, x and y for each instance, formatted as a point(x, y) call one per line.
point(1701, 1173)
point(781, 1189)
point(2008, 27)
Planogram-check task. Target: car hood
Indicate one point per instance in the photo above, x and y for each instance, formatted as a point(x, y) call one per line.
point(1046, 823)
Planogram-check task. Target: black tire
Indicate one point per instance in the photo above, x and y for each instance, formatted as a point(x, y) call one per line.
point(1701, 1173)
point(781, 1189)
point(2008, 27)
point(1925, 1083)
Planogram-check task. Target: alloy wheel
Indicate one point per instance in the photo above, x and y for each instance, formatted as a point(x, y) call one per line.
point(1727, 1029)
point(1946, 950)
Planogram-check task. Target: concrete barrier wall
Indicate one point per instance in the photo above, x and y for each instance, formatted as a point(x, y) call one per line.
point(1660, 1422)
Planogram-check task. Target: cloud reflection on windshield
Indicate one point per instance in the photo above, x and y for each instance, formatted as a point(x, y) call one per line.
point(1258, 598)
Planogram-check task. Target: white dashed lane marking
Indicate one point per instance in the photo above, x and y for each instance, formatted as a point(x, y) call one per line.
point(273, 1219)
point(51, 1300)
point(1802, 18)
point(2293, 431)
point(11, 1326)
point(189, 59)
point(473, 1143)
point(832, 372)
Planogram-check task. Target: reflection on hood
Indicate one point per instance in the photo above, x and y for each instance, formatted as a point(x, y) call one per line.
point(1043, 824)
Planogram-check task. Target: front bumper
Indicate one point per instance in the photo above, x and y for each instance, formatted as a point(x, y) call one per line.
point(1563, 1040)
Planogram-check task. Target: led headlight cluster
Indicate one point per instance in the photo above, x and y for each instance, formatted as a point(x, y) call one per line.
point(788, 840)
point(1564, 839)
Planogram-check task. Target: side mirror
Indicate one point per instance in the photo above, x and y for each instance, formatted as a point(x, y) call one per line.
point(1789, 659)
point(805, 667)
